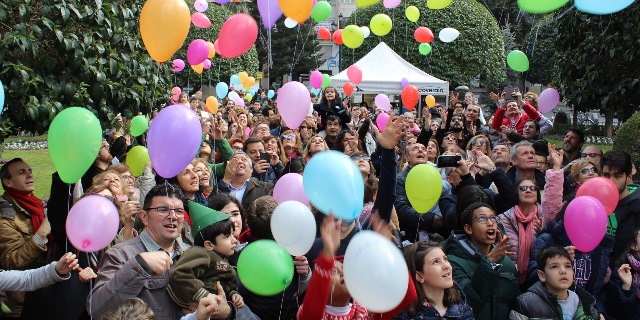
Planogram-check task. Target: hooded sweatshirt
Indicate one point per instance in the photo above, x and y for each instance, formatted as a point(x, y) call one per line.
point(623, 221)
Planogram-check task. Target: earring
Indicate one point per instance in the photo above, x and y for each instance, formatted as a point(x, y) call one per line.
point(421, 280)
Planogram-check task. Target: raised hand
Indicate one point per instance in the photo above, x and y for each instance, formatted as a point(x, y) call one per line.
point(302, 265)
point(67, 263)
point(625, 275)
point(556, 157)
point(158, 261)
point(494, 96)
point(393, 132)
point(330, 233)
point(502, 249)
point(505, 129)
point(483, 161)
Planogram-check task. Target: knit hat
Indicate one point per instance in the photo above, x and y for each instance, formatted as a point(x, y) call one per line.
point(202, 217)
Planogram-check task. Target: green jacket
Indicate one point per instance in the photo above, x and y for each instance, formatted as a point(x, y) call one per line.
point(217, 169)
point(490, 289)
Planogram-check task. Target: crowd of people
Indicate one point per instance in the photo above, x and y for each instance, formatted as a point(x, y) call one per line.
point(493, 247)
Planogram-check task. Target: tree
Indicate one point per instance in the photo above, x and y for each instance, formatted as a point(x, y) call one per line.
point(478, 51)
point(539, 47)
point(627, 138)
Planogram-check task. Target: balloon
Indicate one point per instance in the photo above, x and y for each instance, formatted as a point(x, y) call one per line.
point(233, 95)
point(404, 82)
point(382, 102)
point(1, 97)
point(74, 140)
point(381, 121)
point(337, 37)
point(251, 81)
point(198, 68)
point(139, 124)
point(365, 31)
point(298, 10)
point(602, 189)
point(424, 48)
point(239, 102)
point(321, 11)
point(390, 4)
point(178, 65)
point(293, 103)
point(316, 79)
point(326, 80)
point(430, 101)
point(602, 7)
point(265, 268)
point(201, 5)
point(352, 36)
point(270, 12)
point(206, 64)
point(448, 34)
point(198, 51)
point(344, 195)
point(237, 35)
point(297, 241)
point(222, 89)
point(412, 13)
point(410, 97)
point(324, 34)
point(222, 1)
point(200, 20)
point(271, 94)
point(423, 186)
point(164, 25)
point(367, 249)
point(92, 223)
point(212, 104)
point(348, 88)
point(438, 4)
point(549, 99)
point(423, 35)
point(248, 96)
point(541, 6)
point(290, 23)
point(380, 24)
point(137, 159)
point(366, 3)
point(289, 188)
point(235, 79)
point(174, 140)
point(354, 73)
point(176, 91)
point(212, 50)
point(585, 221)
point(518, 61)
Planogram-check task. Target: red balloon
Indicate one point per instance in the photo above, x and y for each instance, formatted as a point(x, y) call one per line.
point(602, 189)
point(410, 97)
point(423, 35)
point(237, 35)
point(337, 37)
point(324, 34)
point(348, 88)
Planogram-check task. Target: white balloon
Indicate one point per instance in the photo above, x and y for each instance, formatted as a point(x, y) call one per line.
point(372, 256)
point(448, 34)
point(290, 23)
point(366, 31)
point(293, 227)
point(233, 95)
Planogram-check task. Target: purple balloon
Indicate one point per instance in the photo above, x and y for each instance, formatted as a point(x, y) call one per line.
point(293, 103)
point(585, 221)
point(201, 5)
point(382, 102)
point(390, 4)
point(404, 82)
point(197, 52)
point(92, 223)
point(174, 140)
point(549, 99)
point(238, 102)
point(316, 79)
point(222, 1)
point(270, 12)
point(206, 64)
point(178, 65)
point(381, 121)
point(290, 187)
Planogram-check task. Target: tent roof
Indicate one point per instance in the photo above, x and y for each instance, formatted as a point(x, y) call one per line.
point(383, 70)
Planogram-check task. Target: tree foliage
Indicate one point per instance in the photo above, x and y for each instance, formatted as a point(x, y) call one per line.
point(627, 138)
point(479, 50)
point(539, 47)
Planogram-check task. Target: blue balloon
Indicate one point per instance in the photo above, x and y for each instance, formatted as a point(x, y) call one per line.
point(222, 89)
point(1, 97)
point(252, 93)
point(235, 79)
point(315, 91)
point(334, 184)
point(602, 7)
point(270, 94)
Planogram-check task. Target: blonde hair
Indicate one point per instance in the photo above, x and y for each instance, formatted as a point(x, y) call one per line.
point(307, 149)
point(579, 165)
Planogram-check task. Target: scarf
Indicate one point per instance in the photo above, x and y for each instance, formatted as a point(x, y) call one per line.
point(525, 239)
point(634, 262)
point(31, 203)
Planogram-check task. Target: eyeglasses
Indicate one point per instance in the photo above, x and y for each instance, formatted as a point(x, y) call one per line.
point(528, 97)
point(456, 119)
point(450, 138)
point(359, 158)
point(128, 177)
point(590, 155)
point(164, 211)
point(483, 219)
point(525, 188)
point(289, 136)
point(479, 143)
point(588, 170)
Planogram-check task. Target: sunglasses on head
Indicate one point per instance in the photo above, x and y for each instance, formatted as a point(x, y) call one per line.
point(525, 188)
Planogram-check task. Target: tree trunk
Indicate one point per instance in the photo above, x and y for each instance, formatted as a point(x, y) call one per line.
point(574, 118)
point(609, 113)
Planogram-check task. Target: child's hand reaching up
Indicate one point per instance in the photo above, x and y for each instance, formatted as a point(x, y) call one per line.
point(67, 263)
point(237, 300)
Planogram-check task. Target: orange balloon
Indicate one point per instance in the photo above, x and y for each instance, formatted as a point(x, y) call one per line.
point(348, 88)
point(212, 104)
point(243, 77)
point(410, 97)
point(212, 50)
point(198, 68)
point(164, 25)
point(298, 10)
point(430, 101)
point(251, 81)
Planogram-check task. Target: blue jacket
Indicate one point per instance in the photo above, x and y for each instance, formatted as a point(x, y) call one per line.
point(458, 311)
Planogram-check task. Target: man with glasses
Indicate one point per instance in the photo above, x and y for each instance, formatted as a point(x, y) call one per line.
point(593, 154)
point(139, 268)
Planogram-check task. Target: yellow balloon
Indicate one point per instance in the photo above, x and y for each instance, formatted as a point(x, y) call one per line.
point(380, 24)
point(366, 3)
point(197, 68)
point(412, 13)
point(212, 50)
point(164, 25)
point(298, 10)
point(248, 97)
point(352, 36)
point(423, 187)
point(243, 77)
point(212, 104)
point(430, 101)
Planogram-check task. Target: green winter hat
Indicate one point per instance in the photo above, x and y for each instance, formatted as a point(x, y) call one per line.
point(202, 217)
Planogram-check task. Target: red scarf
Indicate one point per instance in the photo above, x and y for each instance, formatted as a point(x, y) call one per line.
point(31, 203)
point(525, 239)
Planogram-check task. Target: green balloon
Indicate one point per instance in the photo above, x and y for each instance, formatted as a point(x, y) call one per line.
point(139, 125)
point(380, 24)
point(265, 268)
point(137, 159)
point(412, 13)
point(541, 6)
point(518, 61)
point(321, 11)
point(352, 36)
point(424, 48)
point(326, 80)
point(74, 139)
point(366, 3)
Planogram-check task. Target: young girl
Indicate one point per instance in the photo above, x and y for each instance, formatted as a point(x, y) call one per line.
point(623, 298)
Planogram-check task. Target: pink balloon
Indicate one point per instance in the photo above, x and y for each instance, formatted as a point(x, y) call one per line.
point(585, 221)
point(389, 4)
point(92, 223)
point(197, 52)
point(355, 74)
point(549, 99)
point(201, 5)
point(381, 121)
point(290, 187)
point(238, 102)
point(382, 102)
point(293, 103)
point(237, 35)
point(178, 65)
point(176, 91)
point(200, 20)
point(316, 79)
point(206, 64)
point(602, 189)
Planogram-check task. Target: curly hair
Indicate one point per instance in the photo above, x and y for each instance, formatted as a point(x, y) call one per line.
point(259, 217)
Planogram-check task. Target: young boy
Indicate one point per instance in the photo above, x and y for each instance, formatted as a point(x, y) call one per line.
point(550, 298)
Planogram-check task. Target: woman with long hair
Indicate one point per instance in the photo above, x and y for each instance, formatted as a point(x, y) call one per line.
point(273, 145)
point(316, 144)
point(291, 144)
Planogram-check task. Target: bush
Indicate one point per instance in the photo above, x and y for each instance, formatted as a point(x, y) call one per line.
point(627, 138)
point(561, 118)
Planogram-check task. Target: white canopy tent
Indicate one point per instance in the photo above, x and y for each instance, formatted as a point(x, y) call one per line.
point(382, 72)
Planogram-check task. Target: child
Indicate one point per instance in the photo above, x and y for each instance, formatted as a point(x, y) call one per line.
point(550, 298)
point(623, 298)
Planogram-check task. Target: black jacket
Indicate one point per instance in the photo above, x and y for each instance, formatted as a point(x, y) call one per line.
point(539, 303)
point(336, 109)
point(624, 220)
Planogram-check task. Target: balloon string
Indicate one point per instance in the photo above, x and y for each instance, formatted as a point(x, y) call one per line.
point(293, 62)
point(281, 304)
point(153, 92)
point(69, 199)
point(90, 289)
point(301, 50)
point(405, 35)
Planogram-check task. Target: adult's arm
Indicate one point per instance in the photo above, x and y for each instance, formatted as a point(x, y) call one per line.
point(531, 112)
point(226, 152)
point(387, 184)
point(545, 124)
point(497, 119)
point(424, 136)
point(16, 251)
point(146, 182)
point(507, 195)
point(515, 136)
point(30, 280)
point(552, 201)
point(364, 129)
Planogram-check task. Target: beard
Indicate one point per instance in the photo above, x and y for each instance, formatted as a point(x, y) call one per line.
point(456, 129)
